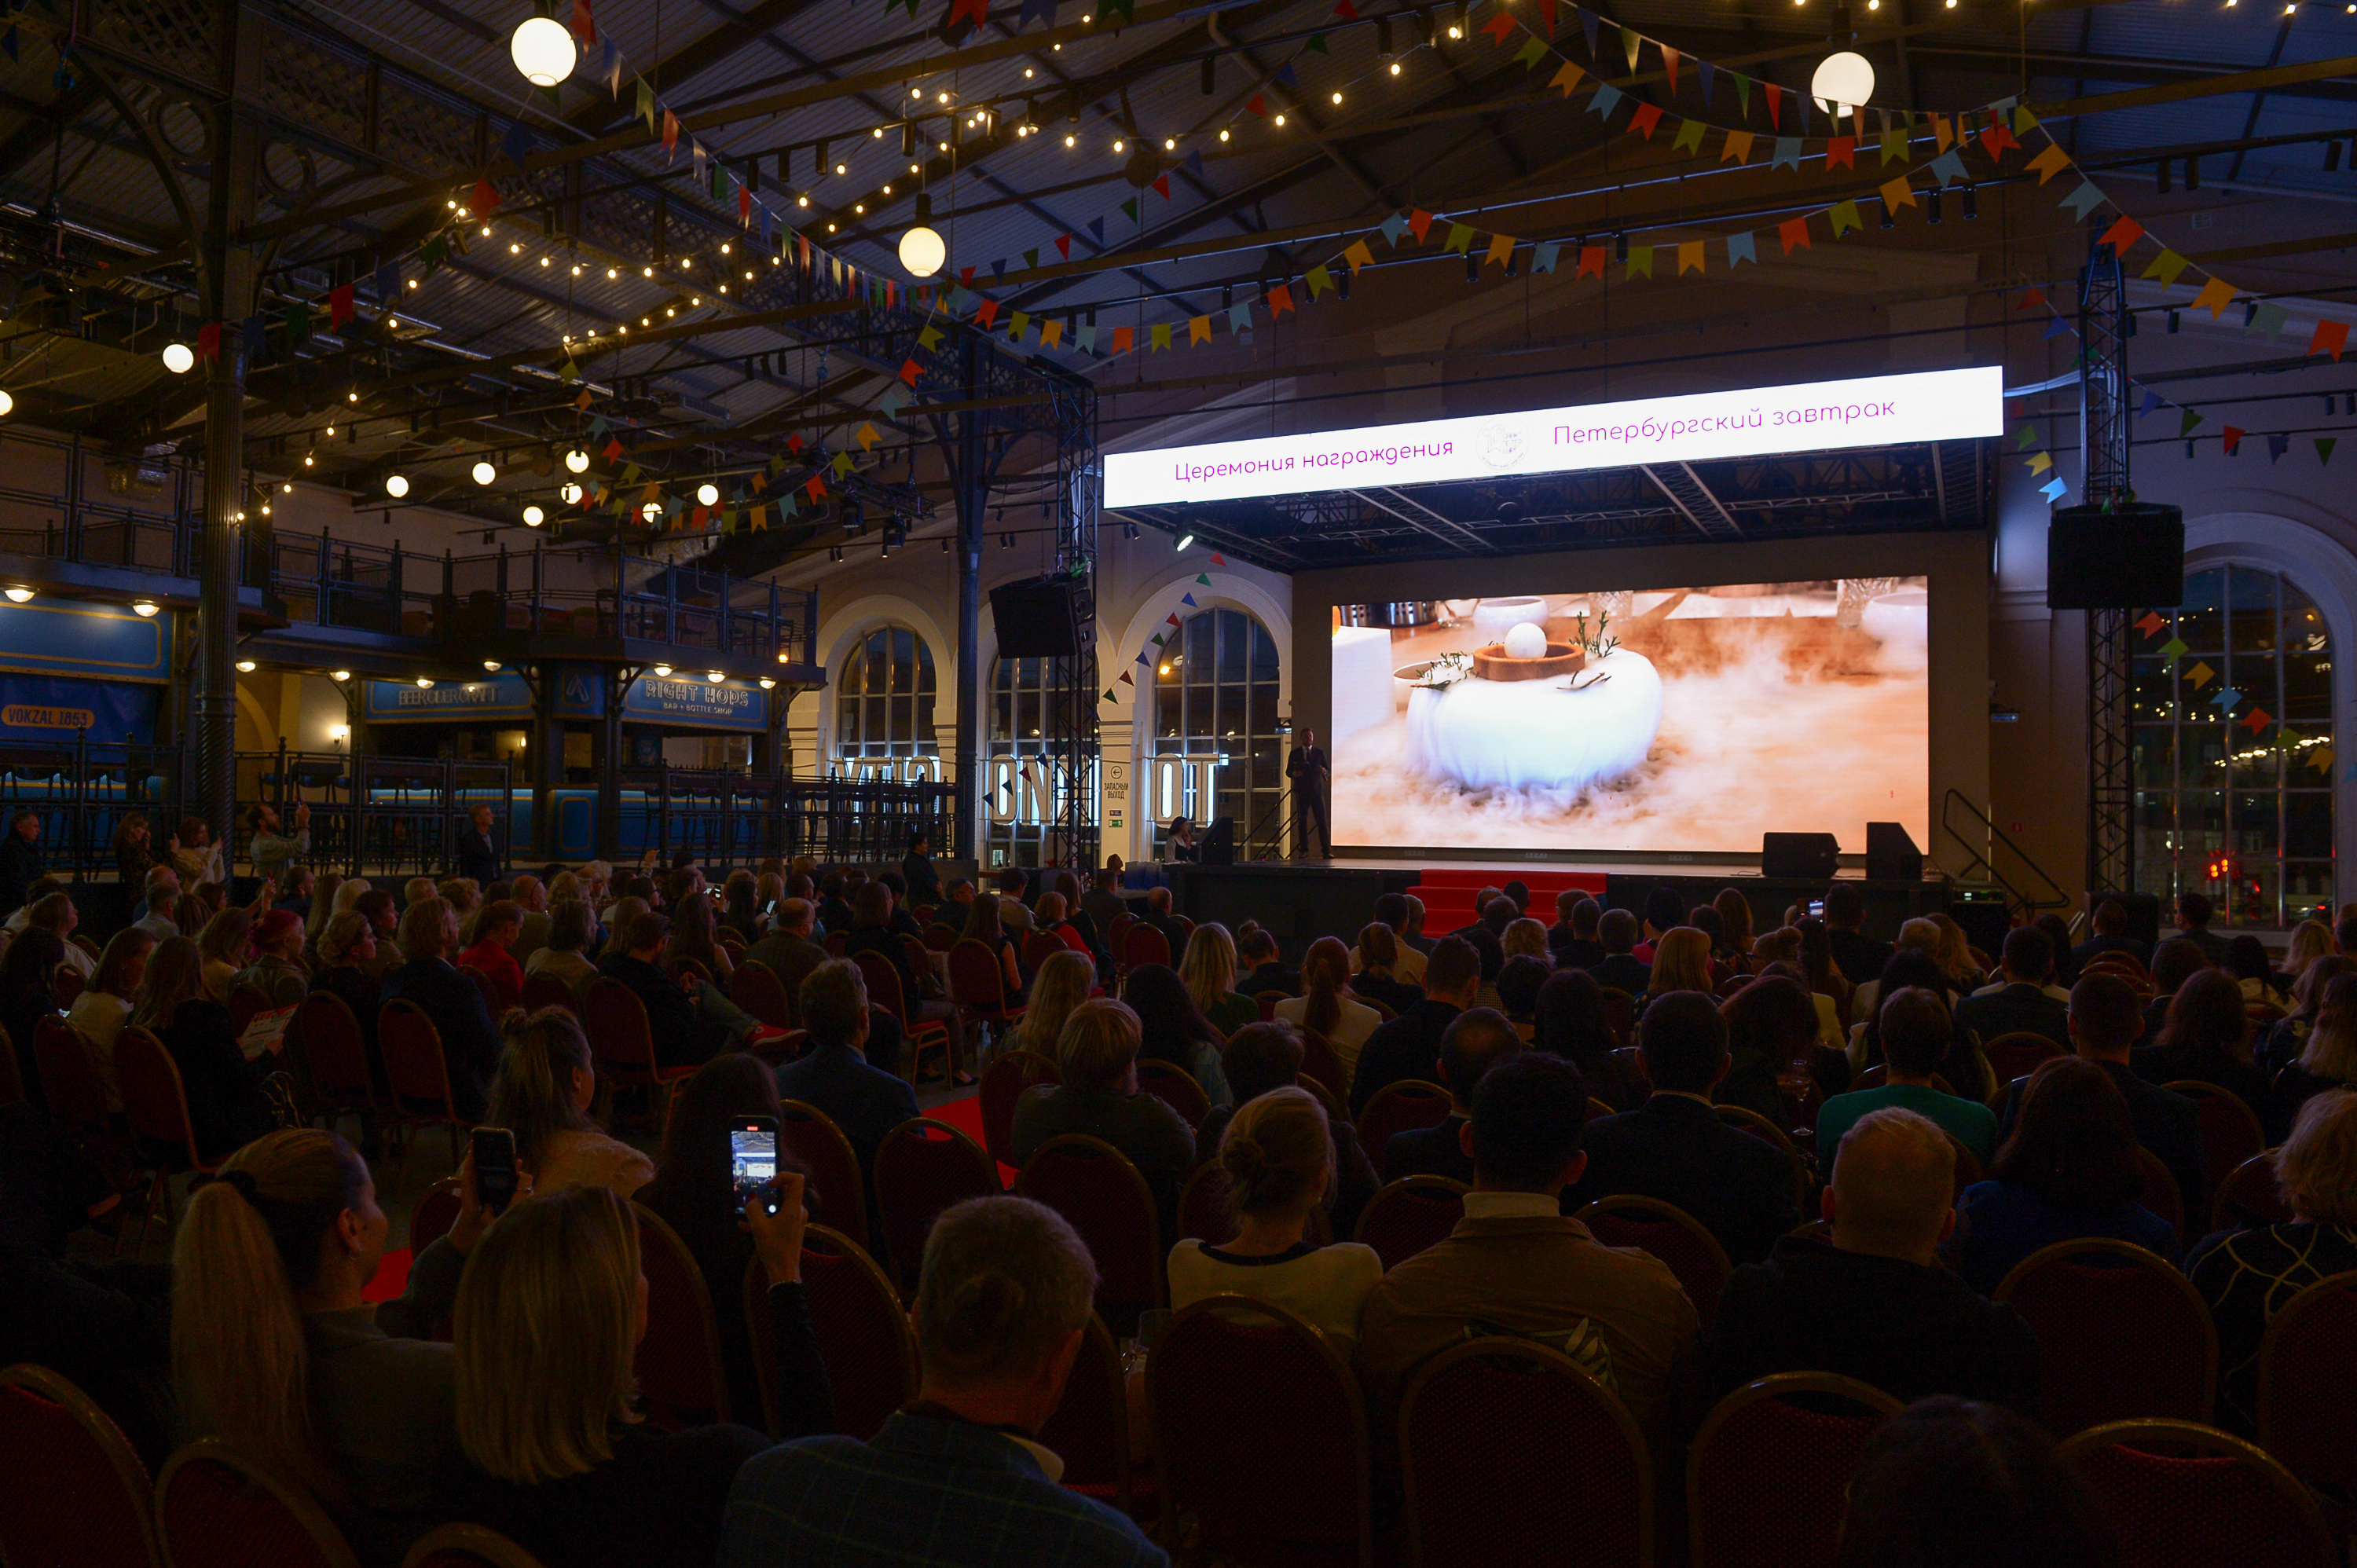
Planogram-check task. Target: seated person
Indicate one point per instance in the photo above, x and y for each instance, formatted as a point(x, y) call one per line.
point(470, 1042)
point(1175, 1030)
point(1572, 939)
point(1873, 1301)
point(1325, 1007)
point(496, 930)
point(1158, 916)
point(2022, 1006)
point(2067, 1168)
point(1520, 979)
point(1279, 1161)
point(232, 1098)
point(920, 995)
point(1257, 952)
point(277, 970)
point(1914, 1028)
point(1263, 1056)
point(348, 971)
point(1676, 1149)
point(541, 1094)
point(1100, 1098)
point(833, 1074)
point(1407, 963)
point(1949, 1481)
point(572, 927)
point(1405, 1046)
point(1476, 1040)
point(1517, 1264)
point(1375, 968)
point(1619, 969)
point(1003, 1298)
point(789, 950)
point(2104, 1025)
point(689, 1021)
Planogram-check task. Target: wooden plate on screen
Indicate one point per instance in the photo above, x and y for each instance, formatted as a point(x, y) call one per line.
point(1491, 663)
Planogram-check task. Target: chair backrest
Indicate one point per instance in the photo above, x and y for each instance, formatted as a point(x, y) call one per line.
point(1094, 1186)
point(1003, 1083)
point(1144, 944)
point(1266, 1001)
point(1768, 1475)
point(1204, 1206)
point(940, 938)
point(12, 1081)
point(2250, 1197)
point(493, 1004)
point(975, 979)
point(2018, 1054)
point(1038, 947)
point(216, 1509)
point(412, 1047)
point(616, 1022)
point(2160, 1194)
point(2226, 1501)
point(837, 1188)
point(923, 1166)
point(1090, 1431)
point(1669, 1233)
point(72, 1490)
point(1402, 1107)
point(863, 1333)
point(837, 944)
point(468, 1546)
point(1879, 1074)
point(1261, 1433)
point(1175, 1087)
point(684, 965)
point(679, 1367)
point(2308, 1363)
point(547, 989)
point(1405, 1217)
point(334, 1049)
point(2121, 1335)
point(155, 1101)
point(65, 986)
point(2230, 1132)
point(756, 988)
point(1621, 1011)
point(436, 1211)
point(883, 983)
point(1968, 1166)
point(1481, 1414)
point(69, 1081)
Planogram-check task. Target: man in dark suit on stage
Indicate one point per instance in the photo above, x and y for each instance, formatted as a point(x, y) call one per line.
point(477, 856)
point(1311, 774)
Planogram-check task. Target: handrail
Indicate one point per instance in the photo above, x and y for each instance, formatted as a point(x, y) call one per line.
point(1996, 838)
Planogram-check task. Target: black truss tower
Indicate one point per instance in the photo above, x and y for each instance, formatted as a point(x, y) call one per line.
point(2103, 464)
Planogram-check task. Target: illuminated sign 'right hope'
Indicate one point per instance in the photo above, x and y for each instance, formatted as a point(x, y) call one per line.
point(1870, 411)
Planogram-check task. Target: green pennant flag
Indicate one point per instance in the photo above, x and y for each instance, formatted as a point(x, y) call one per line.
point(646, 104)
point(298, 322)
point(1031, 258)
point(1129, 209)
point(1641, 262)
point(1689, 139)
point(1743, 92)
point(719, 182)
point(2324, 445)
point(2026, 438)
point(2187, 422)
point(572, 371)
point(1318, 42)
point(1202, 579)
point(1531, 52)
point(1125, 9)
point(1108, 697)
point(931, 338)
point(1156, 640)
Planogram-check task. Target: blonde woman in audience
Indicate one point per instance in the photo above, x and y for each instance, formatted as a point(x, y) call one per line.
point(617, 927)
point(541, 1092)
point(1526, 937)
point(1681, 962)
point(326, 887)
point(104, 1006)
point(1919, 935)
point(57, 915)
point(1279, 1155)
point(1323, 1008)
point(224, 943)
point(1062, 984)
point(2311, 941)
point(1954, 954)
point(1208, 969)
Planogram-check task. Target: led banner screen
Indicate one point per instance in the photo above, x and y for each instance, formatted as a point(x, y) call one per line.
point(1871, 411)
point(1684, 720)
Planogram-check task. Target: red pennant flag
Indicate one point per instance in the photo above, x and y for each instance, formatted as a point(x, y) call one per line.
point(2152, 623)
point(340, 307)
point(1217, 559)
point(1641, 124)
point(1795, 233)
point(1996, 139)
point(1162, 187)
point(1775, 104)
point(1125, 679)
point(1498, 27)
point(208, 340)
point(2035, 297)
point(585, 25)
point(793, 443)
point(2331, 337)
point(1344, 9)
point(1257, 106)
point(1419, 223)
point(986, 314)
point(911, 370)
point(816, 488)
point(744, 207)
point(1174, 618)
point(2121, 235)
point(484, 198)
point(613, 448)
point(978, 9)
point(2256, 720)
point(700, 517)
point(1841, 153)
point(966, 276)
point(1591, 260)
point(2234, 440)
point(1064, 246)
point(1669, 65)
point(670, 135)
point(1547, 14)
point(1280, 300)
point(1123, 338)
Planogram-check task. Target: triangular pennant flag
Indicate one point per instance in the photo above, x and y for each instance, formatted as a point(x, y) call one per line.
point(1742, 93)
point(2056, 327)
point(2187, 420)
point(1568, 78)
point(1162, 187)
point(1707, 75)
point(2151, 404)
point(2324, 445)
point(2277, 445)
point(1630, 43)
point(1775, 103)
point(2166, 267)
point(1129, 210)
point(1096, 230)
point(2233, 441)
point(1591, 24)
point(1189, 600)
point(1203, 579)
point(1669, 64)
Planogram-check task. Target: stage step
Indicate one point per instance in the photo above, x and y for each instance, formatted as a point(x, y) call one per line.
point(1449, 892)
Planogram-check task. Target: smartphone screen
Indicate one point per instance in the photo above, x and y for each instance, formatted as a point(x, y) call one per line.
point(752, 1157)
point(1817, 910)
point(495, 1167)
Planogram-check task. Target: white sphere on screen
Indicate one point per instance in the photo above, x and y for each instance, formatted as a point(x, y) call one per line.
point(1525, 641)
point(543, 50)
point(1842, 82)
point(922, 251)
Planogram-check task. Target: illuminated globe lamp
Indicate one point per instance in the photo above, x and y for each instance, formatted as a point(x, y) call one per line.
point(1842, 82)
point(395, 485)
point(576, 461)
point(533, 517)
point(543, 50)
point(180, 358)
point(484, 472)
point(570, 495)
point(707, 494)
point(922, 250)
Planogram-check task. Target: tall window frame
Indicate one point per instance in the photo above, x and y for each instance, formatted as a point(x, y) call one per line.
point(1217, 683)
point(884, 696)
point(1023, 711)
point(2231, 701)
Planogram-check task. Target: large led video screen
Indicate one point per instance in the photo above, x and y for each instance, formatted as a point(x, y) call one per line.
point(1681, 719)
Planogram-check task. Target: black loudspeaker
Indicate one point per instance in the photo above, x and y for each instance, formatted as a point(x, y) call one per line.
point(1891, 855)
point(2132, 556)
point(1035, 619)
point(1219, 846)
point(2144, 913)
point(1984, 918)
point(1799, 857)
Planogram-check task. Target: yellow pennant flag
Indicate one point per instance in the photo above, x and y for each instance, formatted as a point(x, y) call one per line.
point(1689, 137)
point(2217, 295)
point(1199, 330)
point(2023, 119)
point(1018, 324)
point(1739, 147)
point(1689, 257)
point(1501, 249)
point(2041, 462)
point(1943, 132)
point(1568, 78)
point(1050, 334)
point(2166, 267)
point(1358, 255)
point(761, 518)
point(1844, 218)
point(1896, 194)
point(2049, 163)
point(1161, 335)
point(867, 438)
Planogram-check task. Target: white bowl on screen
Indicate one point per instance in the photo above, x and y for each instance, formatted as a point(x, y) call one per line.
point(1496, 617)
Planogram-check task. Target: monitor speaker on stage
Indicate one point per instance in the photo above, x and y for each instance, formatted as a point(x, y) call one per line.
point(1799, 857)
point(1985, 916)
point(1218, 846)
point(2129, 556)
point(1035, 619)
point(1891, 855)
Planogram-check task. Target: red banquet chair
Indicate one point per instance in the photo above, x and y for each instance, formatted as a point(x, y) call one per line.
point(622, 1045)
point(2308, 1363)
point(436, 1211)
point(1175, 1087)
point(1262, 1435)
point(1483, 1412)
point(1319, 1061)
point(1038, 947)
point(1003, 1083)
point(1768, 1476)
point(419, 1076)
point(1143, 944)
point(756, 988)
point(2250, 1199)
point(922, 1167)
point(75, 1094)
point(836, 1190)
point(679, 1369)
point(978, 984)
point(863, 1333)
point(2225, 1502)
point(1094, 1186)
point(2230, 1133)
point(2121, 1335)
point(1204, 1206)
point(1408, 1106)
point(468, 1546)
point(2018, 1054)
point(74, 1490)
point(1090, 1431)
point(884, 991)
point(1405, 1217)
point(215, 1509)
point(546, 989)
point(1668, 1232)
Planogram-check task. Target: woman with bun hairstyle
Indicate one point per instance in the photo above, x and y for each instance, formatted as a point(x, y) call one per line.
point(1279, 1158)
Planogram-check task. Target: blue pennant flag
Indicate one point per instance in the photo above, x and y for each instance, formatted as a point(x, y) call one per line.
point(2080, 202)
point(1949, 167)
point(1194, 163)
point(2151, 402)
point(2052, 489)
point(1589, 23)
point(1393, 226)
point(1037, 10)
point(1142, 659)
point(1543, 259)
point(2277, 445)
point(1608, 98)
point(998, 269)
point(2055, 328)
point(1788, 153)
point(2226, 698)
point(1284, 74)
point(388, 282)
point(1739, 248)
point(1709, 78)
point(517, 141)
point(1096, 230)
point(1189, 600)
point(1240, 317)
point(256, 334)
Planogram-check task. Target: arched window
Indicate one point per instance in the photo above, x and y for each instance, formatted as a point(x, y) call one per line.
point(1214, 750)
point(884, 698)
point(1024, 728)
point(2232, 706)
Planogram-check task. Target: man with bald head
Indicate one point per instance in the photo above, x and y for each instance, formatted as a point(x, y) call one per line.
point(1870, 1301)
